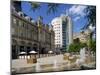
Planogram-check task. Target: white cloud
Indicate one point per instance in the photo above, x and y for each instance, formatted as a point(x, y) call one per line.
point(77, 10)
point(76, 18)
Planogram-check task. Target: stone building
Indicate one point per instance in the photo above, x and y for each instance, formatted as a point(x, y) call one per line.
point(82, 37)
point(28, 35)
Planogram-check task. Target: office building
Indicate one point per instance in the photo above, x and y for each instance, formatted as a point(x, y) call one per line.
point(63, 29)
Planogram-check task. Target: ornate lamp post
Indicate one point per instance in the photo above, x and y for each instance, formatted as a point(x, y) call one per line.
point(39, 29)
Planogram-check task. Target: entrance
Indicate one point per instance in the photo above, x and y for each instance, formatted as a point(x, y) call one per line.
point(35, 47)
point(21, 48)
point(14, 52)
point(28, 49)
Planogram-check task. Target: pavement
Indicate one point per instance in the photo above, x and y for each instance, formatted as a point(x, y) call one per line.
point(20, 63)
point(21, 66)
point(51, 63)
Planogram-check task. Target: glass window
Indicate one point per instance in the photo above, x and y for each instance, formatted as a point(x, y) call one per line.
point(20, 23)
point(14, 20)
point(23, 24)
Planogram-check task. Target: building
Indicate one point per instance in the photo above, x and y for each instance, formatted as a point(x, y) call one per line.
point(63, 29)
point(28, 35)
point(83, 36)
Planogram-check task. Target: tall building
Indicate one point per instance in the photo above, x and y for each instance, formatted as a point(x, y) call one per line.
point(28, 35)
point(63, 29)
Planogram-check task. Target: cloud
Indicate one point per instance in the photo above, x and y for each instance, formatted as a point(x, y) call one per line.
point(77, 18)
point(77, 10)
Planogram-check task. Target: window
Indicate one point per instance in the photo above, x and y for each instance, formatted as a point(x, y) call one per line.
point(14, 21)
point(20, 23)
point(22, 35)
point(23, 24)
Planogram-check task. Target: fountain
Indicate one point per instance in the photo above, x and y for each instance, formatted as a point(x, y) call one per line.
point(38, 68)
point(55, 64)
point(69, 65)
point(82, 57)
point(82, 54)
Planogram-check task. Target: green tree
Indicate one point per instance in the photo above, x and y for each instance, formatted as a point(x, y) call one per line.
point(92, 45)
point(75, 47)
point(91, 17)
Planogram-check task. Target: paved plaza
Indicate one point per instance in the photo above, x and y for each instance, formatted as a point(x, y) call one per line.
point(47, 64)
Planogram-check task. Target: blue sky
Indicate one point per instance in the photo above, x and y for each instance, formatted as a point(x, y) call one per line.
point(75, 11)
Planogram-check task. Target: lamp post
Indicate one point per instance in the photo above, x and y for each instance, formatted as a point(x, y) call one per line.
point(39, 41)
point(39, 29)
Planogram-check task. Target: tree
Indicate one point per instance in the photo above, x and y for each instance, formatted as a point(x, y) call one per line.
point(75, 47)
point(17, 5)
point(35, 5)
point(92, 45)
point(90, 16)
point(52, 7)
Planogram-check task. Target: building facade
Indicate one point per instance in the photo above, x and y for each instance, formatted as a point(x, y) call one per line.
point(83, 36)
point(63, 29)
point(28, 35)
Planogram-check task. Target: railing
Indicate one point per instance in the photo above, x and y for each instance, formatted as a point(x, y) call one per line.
point(45, 55)
point(37, 56)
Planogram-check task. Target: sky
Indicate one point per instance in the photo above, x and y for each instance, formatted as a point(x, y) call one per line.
point(76, 12)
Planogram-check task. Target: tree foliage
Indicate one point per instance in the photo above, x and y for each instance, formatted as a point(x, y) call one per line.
point(35, 5)
point(52, 7)
point(75, 47)
point(90, 16)
point(92, 45)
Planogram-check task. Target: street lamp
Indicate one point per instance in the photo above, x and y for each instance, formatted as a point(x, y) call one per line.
point(39, 30)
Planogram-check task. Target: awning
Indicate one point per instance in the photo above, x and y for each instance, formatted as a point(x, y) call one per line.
point(22, 53)
point(33, 52)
